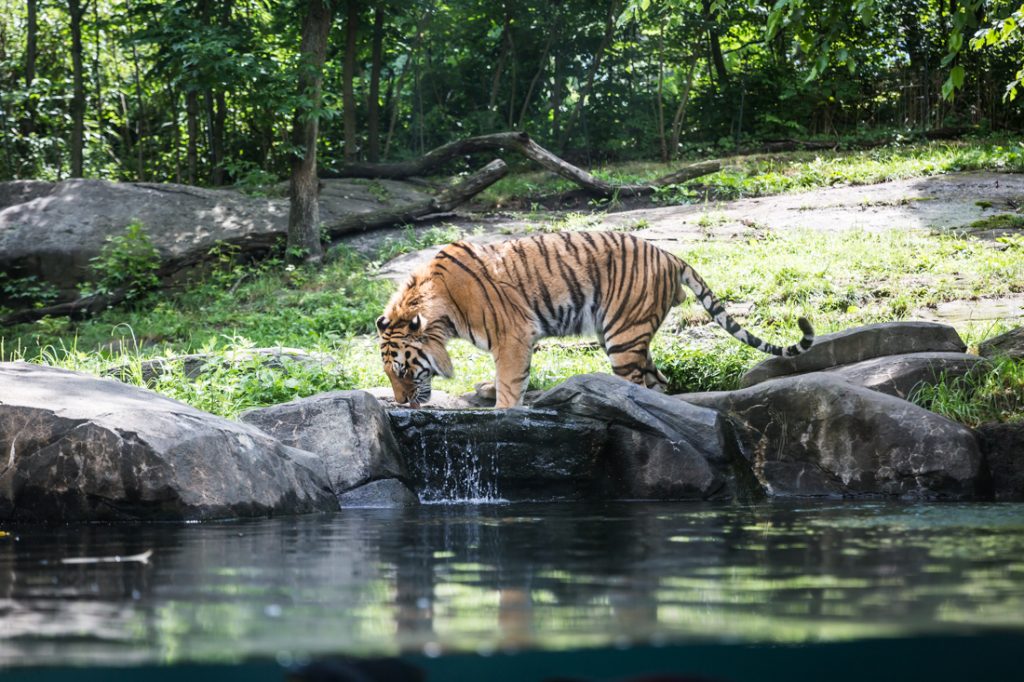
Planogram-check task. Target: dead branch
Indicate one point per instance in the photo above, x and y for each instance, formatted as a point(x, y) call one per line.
point(445, 201)
point(521, 143)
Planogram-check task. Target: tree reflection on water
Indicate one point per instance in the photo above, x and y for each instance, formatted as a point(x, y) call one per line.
point(485, 578)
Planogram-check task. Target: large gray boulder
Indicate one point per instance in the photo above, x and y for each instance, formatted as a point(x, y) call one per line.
point(349, 431)
point(1010, 344)
point(52, 232)
point(858, 344)
point(1003, 447)
point(657, 447)
point(592, 437)
point(78, 448)
point(900, 375)
point(817, 435)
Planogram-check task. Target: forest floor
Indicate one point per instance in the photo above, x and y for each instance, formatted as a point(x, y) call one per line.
point(819, 239)
point(978, 204)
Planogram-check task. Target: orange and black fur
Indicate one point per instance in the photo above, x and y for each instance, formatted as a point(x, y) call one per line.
point(504, 297)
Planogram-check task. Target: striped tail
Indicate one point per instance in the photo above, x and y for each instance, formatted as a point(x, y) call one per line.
point(707, 298)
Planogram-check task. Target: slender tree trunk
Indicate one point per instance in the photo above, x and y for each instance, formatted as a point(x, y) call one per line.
point(373, 101)
point(394, 105)
point(409, 59)
point(219, 107)
point(304, 215)
point(684, 102)
point(609, 32)
point(192, 123)
point(97, 72)
point(31, 49)
point(348, 78)
point(210, 145)
point(541, 66)
point(557, 88)
point(714, 44)
point(499, 68)
point(140, 173)
point(220, 115)
point(31, 52)
point(172, 96)
point(76, 11)
point(661, 95)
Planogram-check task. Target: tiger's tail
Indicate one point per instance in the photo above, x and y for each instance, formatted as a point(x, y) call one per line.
point(707, 298)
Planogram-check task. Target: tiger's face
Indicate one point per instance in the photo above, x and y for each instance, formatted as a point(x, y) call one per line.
point(411, 356)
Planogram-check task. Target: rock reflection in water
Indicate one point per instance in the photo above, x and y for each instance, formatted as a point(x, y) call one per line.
point(443, 578)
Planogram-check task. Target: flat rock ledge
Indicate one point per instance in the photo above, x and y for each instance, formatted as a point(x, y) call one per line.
point(80, 448)
point(858, 344)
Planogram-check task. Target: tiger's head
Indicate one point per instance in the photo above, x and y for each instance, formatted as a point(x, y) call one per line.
point(413, 352)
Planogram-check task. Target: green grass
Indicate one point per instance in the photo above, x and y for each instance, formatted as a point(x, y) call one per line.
point(837, 280)
point(765, 174)
point(996, 395)
point(999, 221)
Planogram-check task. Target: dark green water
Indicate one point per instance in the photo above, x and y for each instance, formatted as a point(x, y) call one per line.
point(494, 578)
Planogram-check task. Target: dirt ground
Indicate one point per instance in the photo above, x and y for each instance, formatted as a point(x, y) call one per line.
point(942, 202)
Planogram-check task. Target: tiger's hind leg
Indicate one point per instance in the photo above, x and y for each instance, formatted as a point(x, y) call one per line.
point(630, 356)
point(653, 378)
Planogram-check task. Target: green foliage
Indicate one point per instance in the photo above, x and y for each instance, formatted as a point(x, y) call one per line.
point(127, 262)
point(27, 292)
point(233, 379)
point(411, 240)
point(691, 368)
point(672, 76)
point(1000, 221)
point(994, 394)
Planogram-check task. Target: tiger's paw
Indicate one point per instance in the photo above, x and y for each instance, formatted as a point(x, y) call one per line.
point(486, 390)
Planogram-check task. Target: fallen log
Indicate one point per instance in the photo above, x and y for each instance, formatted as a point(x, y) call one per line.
point(80, 307)
point(444, 202)
point(523, 144)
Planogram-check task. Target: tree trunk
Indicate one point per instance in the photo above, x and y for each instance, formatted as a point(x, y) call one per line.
point(304, 214)
point(139, 132)
point(684, 102)
point(31, 52)
point(609, 32)
point(192, 122)
point(97, 72)
point(541, 66)
point(499, 68)
point(661, 96)
point(31, 49)
point(220, 114)
point(373, 101)
point(76, 11)
point(348, 76)
point(714, 44)
point(557, 88)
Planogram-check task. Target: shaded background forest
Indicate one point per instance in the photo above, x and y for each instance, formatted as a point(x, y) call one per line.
point(205, 92)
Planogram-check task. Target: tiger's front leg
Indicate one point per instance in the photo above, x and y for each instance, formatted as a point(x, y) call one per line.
point(512, 372)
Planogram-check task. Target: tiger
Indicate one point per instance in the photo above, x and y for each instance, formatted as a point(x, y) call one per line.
point(503, 297)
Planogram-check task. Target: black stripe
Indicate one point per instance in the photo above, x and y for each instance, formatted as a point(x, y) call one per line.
point(628, 345)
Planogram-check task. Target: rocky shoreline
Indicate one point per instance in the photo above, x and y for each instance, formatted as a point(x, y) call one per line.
point(833, 423)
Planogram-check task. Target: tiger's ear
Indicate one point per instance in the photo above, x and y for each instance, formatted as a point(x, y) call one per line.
point(382, 323)
point(417, 323)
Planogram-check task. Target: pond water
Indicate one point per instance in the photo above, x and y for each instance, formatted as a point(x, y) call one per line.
point(491, 578)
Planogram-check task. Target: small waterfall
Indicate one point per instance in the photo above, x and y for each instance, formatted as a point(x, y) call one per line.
point(455, 462)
